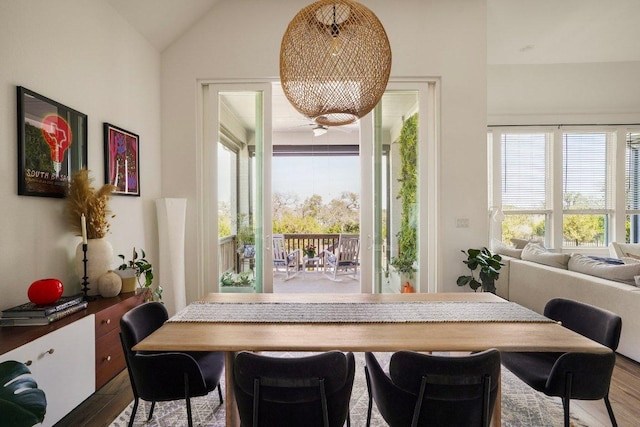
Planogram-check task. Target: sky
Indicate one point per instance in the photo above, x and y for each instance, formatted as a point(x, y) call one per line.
point(324, 175)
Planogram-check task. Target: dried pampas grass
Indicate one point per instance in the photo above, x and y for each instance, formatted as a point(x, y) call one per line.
point(83, 199)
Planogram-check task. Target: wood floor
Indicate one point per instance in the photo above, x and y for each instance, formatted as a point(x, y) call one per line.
point(106, 404)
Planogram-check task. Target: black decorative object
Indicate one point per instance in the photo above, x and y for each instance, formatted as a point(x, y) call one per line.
point(85, 278)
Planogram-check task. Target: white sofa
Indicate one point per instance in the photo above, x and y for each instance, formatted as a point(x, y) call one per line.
point(532, 285)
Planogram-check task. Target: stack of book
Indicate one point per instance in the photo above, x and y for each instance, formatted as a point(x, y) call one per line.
point(30, 314)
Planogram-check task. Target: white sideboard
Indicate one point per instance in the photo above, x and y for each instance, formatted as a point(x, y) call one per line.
point(63, 364)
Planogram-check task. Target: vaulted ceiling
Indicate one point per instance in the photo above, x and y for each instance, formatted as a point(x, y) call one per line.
point(518, 31)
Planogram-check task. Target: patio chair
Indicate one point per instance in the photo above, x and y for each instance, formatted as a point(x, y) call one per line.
point(345, 259)
point(283, 261)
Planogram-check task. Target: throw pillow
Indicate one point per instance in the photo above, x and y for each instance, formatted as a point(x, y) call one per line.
point(620, 273)
point(537, 253)
point(501, 248)
point(521, 243)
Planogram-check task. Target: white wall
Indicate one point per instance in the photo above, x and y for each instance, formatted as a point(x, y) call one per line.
point(83, 55)
point(593, 93)
point(240, 39)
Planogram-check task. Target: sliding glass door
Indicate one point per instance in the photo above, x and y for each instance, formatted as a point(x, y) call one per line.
point(266, 172)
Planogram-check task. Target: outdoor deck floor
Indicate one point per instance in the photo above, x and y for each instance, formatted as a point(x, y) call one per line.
point(313, 282)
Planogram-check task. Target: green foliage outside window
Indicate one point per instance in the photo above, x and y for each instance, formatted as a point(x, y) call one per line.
point(407, 236)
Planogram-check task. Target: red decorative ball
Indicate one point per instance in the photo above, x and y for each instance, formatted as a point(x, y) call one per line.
point(45, 291)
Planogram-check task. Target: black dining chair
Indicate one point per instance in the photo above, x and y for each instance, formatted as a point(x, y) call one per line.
point(424, 389)
point(164, 376)
point(294, 391)
point(581, 376)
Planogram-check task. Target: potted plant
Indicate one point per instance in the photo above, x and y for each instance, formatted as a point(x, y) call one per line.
point(246, 238)
point(237, 282)
point(489, 266)
point(21, 401)
point(137, 267)
point(309, 250)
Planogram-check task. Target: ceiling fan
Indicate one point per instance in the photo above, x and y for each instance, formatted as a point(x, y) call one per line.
point(319, 130)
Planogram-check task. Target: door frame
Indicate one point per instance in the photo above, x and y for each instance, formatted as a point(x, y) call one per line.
point(429, 172)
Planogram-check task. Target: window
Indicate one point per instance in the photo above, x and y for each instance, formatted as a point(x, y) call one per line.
point(587, 189)
point(559, 185)
point(632, 188)
point(524, 182)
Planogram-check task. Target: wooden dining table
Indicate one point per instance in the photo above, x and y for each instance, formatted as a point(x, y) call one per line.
point(261, 335)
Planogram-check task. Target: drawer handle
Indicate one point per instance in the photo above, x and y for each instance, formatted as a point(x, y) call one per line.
point(107, 359)
point(50, 351)
point(29, 362)
point(107, 322)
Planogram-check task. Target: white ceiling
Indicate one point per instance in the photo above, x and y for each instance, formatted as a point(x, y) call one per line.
point(518, 32)
point(562, 31)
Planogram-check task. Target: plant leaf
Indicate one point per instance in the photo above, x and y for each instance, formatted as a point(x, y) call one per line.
point(463, 280)
point(22, 403)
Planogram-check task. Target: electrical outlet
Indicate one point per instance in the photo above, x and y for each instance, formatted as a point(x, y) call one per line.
point(462, 222)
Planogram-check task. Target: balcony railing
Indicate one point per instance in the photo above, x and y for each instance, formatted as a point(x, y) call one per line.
point(231, 260)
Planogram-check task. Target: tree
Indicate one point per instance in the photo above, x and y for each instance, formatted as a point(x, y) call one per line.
point(312, 205)
point(583, 228)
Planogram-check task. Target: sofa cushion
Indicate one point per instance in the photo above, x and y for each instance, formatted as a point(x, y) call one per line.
point(535, 252)
point(501, 248)
point(620, 273)
point(621, 250)
point(521, 243)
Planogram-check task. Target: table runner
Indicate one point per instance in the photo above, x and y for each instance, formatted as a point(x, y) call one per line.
point(382, 312)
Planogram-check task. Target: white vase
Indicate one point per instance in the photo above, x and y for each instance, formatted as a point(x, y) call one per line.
point(99, 260)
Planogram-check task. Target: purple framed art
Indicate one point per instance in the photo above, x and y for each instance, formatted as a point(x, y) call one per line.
point(122, 160)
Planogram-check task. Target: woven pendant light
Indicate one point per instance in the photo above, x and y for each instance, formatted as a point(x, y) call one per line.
point(335, 61)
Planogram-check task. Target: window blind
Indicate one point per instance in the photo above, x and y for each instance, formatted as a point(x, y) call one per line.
point(632, 172)
point(524, 171)
point(586, 171)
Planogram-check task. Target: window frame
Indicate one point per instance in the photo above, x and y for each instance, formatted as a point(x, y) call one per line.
point(616, 211)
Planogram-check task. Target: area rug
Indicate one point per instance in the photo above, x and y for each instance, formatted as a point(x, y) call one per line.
point(521, 406)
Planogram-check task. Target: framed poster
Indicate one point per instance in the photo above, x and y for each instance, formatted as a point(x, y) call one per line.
point(52, 144)
point(122, 160)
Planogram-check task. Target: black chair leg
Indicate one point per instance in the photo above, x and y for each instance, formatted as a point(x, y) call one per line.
point(370, 406)
point(610, 411)
point(565, 404)
point(153, 405)
point(133, 412)
point(187, 399)
point(189, 420)
point(220, 394)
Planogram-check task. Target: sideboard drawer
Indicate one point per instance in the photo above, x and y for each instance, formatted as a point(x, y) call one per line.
point(109, 357)
point(108, 319)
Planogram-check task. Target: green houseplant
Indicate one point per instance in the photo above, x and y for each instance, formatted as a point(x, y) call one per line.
point(237, 282)
point(22, 403)
point(405, 262)
point(246, 237)
point(488, 266)
point(142, 268)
